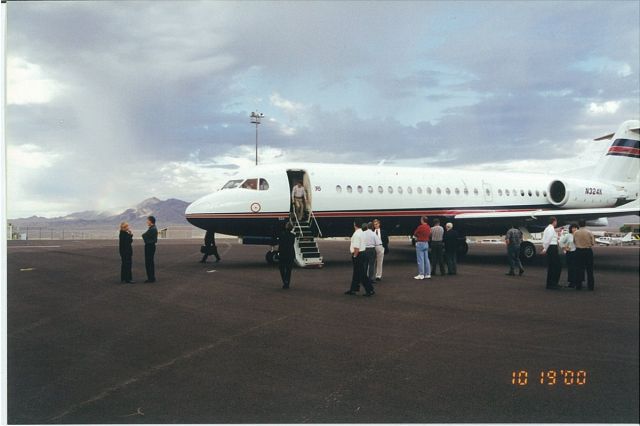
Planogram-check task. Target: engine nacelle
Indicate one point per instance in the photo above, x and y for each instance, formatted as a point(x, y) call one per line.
point(577, 193)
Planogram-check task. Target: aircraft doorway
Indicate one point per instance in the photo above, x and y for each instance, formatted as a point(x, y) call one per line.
point(296, 176)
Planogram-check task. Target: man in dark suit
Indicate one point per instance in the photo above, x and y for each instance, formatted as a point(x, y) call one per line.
point(210, 246)
point(286, 250)
point(451, 240)
point(550, 248)
point(357, 249)
point(150, 239)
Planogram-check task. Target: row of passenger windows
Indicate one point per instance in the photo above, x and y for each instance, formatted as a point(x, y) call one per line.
point(438, 190)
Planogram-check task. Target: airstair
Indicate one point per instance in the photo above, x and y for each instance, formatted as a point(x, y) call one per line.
point(307, 251)
point(306, 228)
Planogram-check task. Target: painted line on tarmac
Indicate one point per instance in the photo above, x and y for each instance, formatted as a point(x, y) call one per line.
point(12, 247)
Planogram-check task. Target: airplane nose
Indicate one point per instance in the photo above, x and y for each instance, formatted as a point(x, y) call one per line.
point(192, 208)
point(225, 202)
point(196, 213)
point(206, 204)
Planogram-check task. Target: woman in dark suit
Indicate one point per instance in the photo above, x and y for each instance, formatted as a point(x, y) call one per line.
point(126, 253)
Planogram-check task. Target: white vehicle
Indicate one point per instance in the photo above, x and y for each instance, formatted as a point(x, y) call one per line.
point(491, 241)
point(257, 201)
point(614, 241)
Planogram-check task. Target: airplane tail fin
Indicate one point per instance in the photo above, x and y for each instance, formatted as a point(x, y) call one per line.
point(621, 163)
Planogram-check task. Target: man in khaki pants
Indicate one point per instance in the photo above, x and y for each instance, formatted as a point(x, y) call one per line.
point(380, 249)
point(299, 200)
point(584, 241)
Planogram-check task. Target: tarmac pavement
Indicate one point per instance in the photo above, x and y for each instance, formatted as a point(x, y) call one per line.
point(223, 343)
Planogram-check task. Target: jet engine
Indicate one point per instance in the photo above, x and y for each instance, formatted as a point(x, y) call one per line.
point(574, 194)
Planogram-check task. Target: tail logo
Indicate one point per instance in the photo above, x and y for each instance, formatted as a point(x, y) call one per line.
point(625, 148)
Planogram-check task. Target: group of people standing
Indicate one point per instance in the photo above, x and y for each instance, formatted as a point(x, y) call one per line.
point(444, 248)
point(577, 245)
point(369, 244)
point(150, 238)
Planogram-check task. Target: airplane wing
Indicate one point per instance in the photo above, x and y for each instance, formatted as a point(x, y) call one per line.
point(563, 215)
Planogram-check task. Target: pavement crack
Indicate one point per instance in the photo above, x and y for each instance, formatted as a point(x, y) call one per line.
point(138, 412)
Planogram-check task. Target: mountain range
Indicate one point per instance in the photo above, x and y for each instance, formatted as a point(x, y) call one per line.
point(167, 212)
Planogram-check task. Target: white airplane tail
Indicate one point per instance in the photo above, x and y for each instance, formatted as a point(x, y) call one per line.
point(621, 164)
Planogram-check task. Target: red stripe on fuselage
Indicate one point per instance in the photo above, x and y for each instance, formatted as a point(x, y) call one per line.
point(329, 214)
point(625, 150)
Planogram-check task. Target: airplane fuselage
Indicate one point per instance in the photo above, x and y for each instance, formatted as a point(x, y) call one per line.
point(398, 196)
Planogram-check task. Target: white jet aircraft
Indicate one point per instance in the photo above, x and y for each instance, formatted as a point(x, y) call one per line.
point(256, 202)
point(614, 241)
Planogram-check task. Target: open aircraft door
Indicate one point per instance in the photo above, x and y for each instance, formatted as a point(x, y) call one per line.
point(301, 175)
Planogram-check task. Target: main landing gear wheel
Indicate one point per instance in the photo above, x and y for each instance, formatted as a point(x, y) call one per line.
point(272, 257)
point(527, 251)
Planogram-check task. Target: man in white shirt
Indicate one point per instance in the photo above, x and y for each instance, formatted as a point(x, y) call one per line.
point(372, 241)
point(568, 246)
point(299, 200)
point(357, 249)
point(550, 247)
point(382, 249)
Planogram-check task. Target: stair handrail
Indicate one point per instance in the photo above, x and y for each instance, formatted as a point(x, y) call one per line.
point(295, 216)
point(298, 250)
point(312, 218)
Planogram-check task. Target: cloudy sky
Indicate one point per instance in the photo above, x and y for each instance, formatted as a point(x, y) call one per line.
point(113, 102)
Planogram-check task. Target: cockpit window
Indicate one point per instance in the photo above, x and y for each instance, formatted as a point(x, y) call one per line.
point(232, 184)
point(250, 184)
point(247, 184)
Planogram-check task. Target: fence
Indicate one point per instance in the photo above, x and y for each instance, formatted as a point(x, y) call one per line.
point(44, 233)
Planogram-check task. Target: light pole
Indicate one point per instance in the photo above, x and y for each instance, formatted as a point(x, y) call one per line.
point(255, 119)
